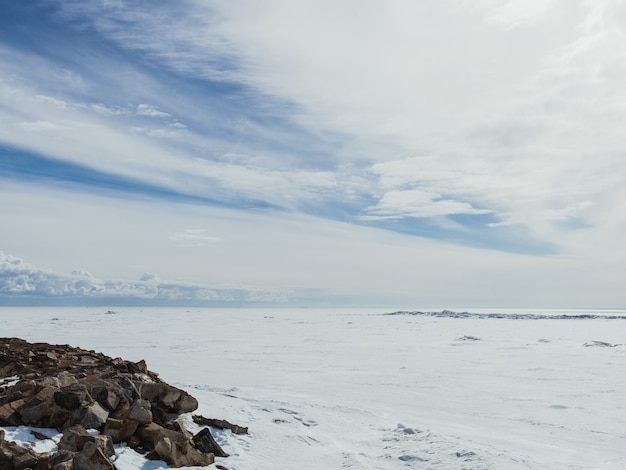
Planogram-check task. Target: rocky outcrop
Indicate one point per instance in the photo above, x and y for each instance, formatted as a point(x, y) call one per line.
point(72, 390)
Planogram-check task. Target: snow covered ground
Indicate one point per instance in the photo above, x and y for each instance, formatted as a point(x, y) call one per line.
point(355, 389)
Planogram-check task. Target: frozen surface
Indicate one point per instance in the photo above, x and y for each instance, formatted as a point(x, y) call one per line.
point(356, 389)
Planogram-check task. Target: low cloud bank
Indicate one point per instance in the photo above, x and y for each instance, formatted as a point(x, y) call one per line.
point(21, 283)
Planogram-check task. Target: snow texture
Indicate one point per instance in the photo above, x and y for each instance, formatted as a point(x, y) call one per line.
point(357, 389)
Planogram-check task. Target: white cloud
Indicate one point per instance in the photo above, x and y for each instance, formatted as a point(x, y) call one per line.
point(194, 237)
point(19, 279)
point(420, 109)
point(291, 256)
point(152, 111)
point(416, 203)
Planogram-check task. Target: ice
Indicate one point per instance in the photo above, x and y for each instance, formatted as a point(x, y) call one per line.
point(356, 389)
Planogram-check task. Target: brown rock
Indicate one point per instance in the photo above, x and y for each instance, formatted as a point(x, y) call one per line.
point(220, 424)
point(204, 442)
point(24, 461)
point(186, 403)
point(68, 399)
point(120, 430)
point(73, 389)
point(140, 411)
point(95, 416)
point(69, 441)
point(13, 456)
point(107, 398)
point(181, 453)
point(150, 433)
point(102, 442)
point(9, 415)
point(92, 458)
point(133, 442)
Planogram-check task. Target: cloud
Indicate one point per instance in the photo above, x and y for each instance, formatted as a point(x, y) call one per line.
point(416, 203)
point(20, 281)
point(152, 111)
point(492, 123)
point(194, 237)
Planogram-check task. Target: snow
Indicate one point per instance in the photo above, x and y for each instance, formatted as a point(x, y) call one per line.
point(356, 389)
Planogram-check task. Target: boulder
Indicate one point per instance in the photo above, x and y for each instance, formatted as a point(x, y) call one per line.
point(91, 457)
point(140, 411)
point(120, 430)
point(180, 453)
point(94, 416)
point(76, 437)
point(204, 442)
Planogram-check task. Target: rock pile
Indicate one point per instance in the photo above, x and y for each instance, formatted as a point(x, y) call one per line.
point(73, 390)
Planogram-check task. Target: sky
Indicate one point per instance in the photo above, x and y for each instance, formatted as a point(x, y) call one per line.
point(415, 153)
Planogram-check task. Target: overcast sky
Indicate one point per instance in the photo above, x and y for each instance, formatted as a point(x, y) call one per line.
point(399, 152)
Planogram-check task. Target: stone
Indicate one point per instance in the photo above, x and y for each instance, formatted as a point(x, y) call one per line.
point(134, 442)
point(204, 442)
point(9, 415)
point(120, 430)
point(137, 367)
point(186, 403)
point(150, 433)
point(178, 427)
point(95, 416)
point(13, 456)
point(181, 453)
point(107, 398)
point(69, 440)
point(66, 465)
point(68, 400)
point(140, 411)
point(220, 424)
point(73, 389)
point(41, 410)
point(92, 458)
point(24, 461)
point(102, 442)
point(61, 457)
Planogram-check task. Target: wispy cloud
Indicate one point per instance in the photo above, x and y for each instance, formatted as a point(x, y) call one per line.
point(416, 203)
point(194, 237)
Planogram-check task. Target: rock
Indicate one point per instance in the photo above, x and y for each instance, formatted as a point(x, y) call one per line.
point(13, 456)
point(76, 438)
point(120, 430)
point(24, 461)
point(186, 403)
point(94, 416)
point(70, 400)
point(220, 424)
point(9, 415)
point(72, 389)
point(140, 411)
point(69, 440)
point(150, 433)
point(204, 442)
point(180, 453)
point(107, 398)
point(65, 465)
point(92, 458)
point(42, 411)
point(102, 442)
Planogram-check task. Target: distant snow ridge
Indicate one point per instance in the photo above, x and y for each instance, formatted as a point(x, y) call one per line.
point(509, 316)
